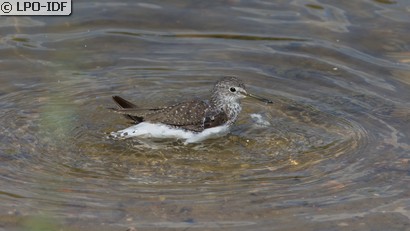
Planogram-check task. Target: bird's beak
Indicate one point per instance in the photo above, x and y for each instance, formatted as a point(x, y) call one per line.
point(257, 97)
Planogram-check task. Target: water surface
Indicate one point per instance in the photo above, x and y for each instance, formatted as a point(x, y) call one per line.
point(331, 153)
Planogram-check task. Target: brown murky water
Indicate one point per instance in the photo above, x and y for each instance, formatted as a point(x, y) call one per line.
point(335, 155)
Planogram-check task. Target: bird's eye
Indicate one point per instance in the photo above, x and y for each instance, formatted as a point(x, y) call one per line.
point(232, 89)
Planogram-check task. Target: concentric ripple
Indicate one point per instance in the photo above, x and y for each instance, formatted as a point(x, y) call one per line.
point(331, 153)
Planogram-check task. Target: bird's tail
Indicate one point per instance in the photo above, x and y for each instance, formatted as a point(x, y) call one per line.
point(125, 104)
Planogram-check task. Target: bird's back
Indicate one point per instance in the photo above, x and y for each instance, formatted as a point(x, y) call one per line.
point(195, 115)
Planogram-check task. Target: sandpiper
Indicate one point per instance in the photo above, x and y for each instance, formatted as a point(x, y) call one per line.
point(189, 119)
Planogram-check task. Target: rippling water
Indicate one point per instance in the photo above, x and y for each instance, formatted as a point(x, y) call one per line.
point(333, 155)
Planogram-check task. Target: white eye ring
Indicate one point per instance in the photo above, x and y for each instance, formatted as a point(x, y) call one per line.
point(232, 89)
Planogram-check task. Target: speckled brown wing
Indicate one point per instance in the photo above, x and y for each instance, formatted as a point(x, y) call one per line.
point(188, 115)
point(215, 119)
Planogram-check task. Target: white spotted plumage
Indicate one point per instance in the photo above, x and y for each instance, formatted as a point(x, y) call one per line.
point(190, 117)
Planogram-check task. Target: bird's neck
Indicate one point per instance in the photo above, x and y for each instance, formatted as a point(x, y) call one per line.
point(232, 108)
